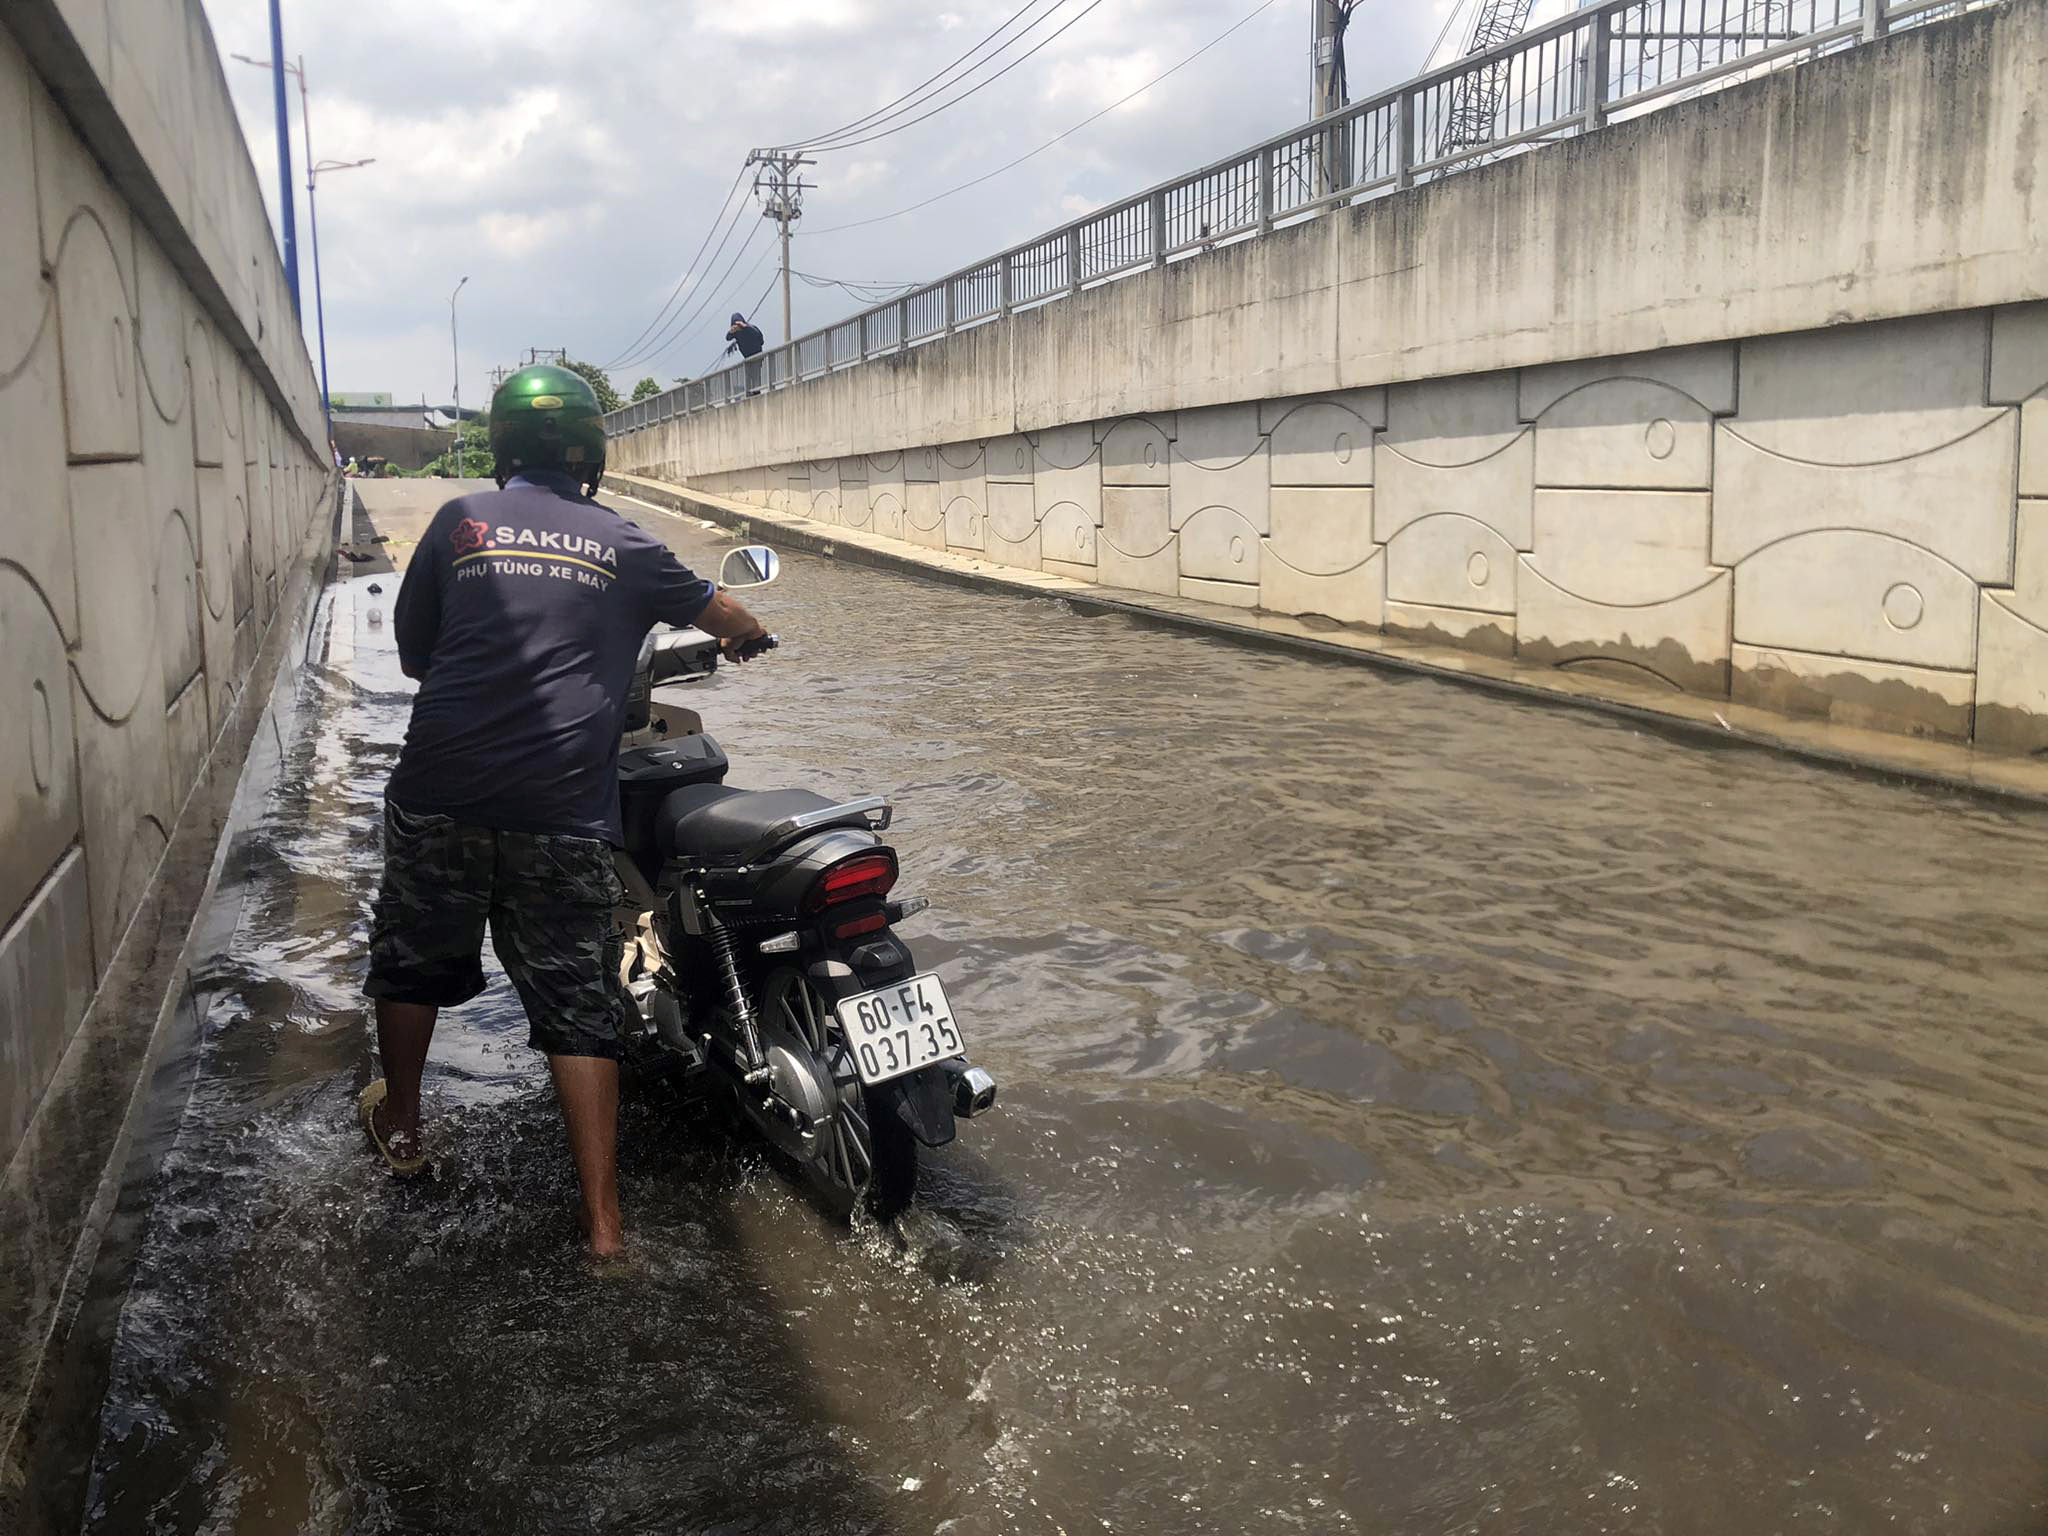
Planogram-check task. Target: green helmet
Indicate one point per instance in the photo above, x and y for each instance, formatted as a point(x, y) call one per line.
point(547, 418)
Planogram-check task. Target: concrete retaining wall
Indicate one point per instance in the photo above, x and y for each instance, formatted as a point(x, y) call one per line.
point(167, 504)
point(1748, 398)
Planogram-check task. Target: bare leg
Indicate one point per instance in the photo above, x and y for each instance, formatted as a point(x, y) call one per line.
point(404, 1031)
point(588, 1087)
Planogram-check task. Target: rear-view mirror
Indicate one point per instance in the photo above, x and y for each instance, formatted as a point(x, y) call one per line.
point(751, 565)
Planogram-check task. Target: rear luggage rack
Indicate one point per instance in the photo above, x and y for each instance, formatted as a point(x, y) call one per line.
point(860, 811)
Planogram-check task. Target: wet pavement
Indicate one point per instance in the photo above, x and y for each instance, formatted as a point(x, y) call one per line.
point(1423, 1113)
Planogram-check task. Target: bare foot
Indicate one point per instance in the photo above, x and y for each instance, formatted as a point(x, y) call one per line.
point(606, 1239)
point(404, 1143)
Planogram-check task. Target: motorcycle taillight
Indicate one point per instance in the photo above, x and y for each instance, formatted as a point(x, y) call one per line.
point(864, 874)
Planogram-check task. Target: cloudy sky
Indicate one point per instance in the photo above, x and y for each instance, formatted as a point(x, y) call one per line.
point(568, 156)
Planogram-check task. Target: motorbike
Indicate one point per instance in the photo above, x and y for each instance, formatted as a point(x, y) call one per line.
point(759, 948)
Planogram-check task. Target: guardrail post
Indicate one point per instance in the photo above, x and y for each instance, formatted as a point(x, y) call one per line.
point(1875, 21)
point(1073, 259)
point(1266, 190)
point(1599, 44)
point(1404, 140)
point(946, 288)
point(903, 322)
point(1155, 213)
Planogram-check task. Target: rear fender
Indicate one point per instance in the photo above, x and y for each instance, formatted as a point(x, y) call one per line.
point(921, 1100)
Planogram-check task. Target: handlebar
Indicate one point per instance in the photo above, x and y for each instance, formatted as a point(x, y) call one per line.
point(758, 646)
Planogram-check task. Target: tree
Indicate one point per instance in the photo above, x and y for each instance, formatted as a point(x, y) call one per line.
point(475, 461)
point(607, 397)
point(644, 388)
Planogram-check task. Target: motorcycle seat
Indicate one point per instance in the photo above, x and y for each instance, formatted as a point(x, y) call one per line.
point(716, 821)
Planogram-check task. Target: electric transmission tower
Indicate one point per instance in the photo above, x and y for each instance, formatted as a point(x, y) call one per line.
point(778, 183)
point(1477, 97)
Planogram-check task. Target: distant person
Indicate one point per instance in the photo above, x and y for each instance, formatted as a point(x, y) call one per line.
point(745, 338)
point(521, 614)
point(350, 468)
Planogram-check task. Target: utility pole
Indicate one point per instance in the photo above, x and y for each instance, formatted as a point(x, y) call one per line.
point(455, 351)
point(779, 185)
point(1329, 90)
point(284, 158)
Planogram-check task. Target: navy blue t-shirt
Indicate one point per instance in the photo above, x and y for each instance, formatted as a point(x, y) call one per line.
point(524, 609)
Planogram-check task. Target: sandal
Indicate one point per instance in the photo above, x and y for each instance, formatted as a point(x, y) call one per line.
point(366, 1112)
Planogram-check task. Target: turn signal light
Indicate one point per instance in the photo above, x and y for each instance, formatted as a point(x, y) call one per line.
point(865, 874)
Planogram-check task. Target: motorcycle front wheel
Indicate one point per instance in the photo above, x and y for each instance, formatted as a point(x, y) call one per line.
point(855, 1152)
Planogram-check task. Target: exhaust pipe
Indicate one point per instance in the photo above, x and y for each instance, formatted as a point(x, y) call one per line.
point(974, 1092)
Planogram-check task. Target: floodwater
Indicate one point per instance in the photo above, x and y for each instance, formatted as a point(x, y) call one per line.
point(1423, 1112)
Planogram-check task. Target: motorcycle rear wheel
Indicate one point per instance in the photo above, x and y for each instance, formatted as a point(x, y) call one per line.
point(861, 1151)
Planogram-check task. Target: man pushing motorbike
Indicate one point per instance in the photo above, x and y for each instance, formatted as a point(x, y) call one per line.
point(521, 615)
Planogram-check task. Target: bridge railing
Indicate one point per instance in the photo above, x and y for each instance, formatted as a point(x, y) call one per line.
point(1609, 59)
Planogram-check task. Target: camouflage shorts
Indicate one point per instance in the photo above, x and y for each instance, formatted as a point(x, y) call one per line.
point(548, 901)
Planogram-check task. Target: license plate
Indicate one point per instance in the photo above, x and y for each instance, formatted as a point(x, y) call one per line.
point(900, 1028)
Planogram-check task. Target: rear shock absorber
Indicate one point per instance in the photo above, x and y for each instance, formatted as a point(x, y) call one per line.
point(736, 999)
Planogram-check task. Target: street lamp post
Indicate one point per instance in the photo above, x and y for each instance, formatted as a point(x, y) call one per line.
point(298, 69)
point(455, 346)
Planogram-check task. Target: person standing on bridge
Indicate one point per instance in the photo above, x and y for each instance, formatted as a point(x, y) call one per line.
point(744, 337)
point(521, 614)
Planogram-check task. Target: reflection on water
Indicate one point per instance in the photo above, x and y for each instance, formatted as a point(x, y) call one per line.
point(1423, 1113)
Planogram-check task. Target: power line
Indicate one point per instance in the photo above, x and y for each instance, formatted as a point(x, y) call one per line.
point(919, 91)
point(721, 289)
point(880, 218)
point(728, 347)
point(980, 85)
point(731, 192)
point(658, 343)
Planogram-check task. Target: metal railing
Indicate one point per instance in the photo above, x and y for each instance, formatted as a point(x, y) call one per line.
point(1608, 59)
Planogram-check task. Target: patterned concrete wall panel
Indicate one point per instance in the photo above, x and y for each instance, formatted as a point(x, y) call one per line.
point(887, 482)
point(1357, 596)
point(2012, 679)
point(2019, 352)
point(1322, 530)
point(1624, 548)
point(117, 605)
point(46, 981)
point(883, 466)
point(1319, 442)
point(188, 732)
point(1626, 432)
point(1137, 451)
point(160, 335)
point(1220, 460)
point(1023, 554)
point(35, 527)
point(885, 509)
point(1007, 458)
point(125, 796)
point(1134, 521)
point(823, 475)
point(1877, 695)
point(1497, 491)
point(1705, 374)
point(179, 607)
point(1449, 422)
point(1011, 516)
point(1218, 545)
point(22, 302)
point(924, 519)
point(1681, 643)
point(101, 409)
point(1231, 594)
point(39, 808)
point(2034, 448)
point(2029, 596)
point(966, 525)
point(1490, 634)
point(853, 470)
point(921, 466)
point(71, 188)
point(1956, 501)
point(963, 489)
point(1069, 536)
point(854, 505)
point(1858, 594)
point(824, 507)
point(1368, 405)
point(1066, 471)
point(1451, 562)
point(1867, 394)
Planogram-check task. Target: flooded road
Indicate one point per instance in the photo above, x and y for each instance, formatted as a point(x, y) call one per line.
point(1423, 1112)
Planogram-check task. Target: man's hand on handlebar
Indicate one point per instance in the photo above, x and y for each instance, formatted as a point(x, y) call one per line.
point(739, 634)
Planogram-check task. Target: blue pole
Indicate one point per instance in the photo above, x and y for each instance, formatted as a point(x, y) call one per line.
point(284, 157)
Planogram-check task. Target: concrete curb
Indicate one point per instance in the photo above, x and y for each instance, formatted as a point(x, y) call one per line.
point(1942, 764)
